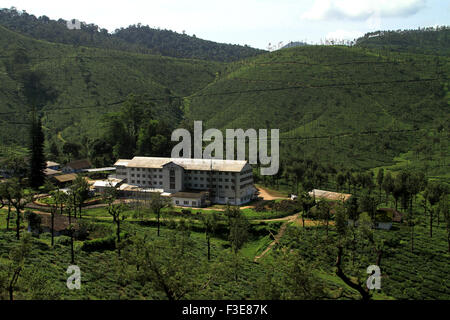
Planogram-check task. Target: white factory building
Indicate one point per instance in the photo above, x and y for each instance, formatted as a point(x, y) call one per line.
point(190, 182)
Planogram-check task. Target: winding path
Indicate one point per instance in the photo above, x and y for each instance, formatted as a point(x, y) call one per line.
point(283, 227)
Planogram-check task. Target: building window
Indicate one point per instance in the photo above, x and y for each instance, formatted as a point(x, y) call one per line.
point(172, 186)
point(186, 202)
point(194, 203)
point(177, 202)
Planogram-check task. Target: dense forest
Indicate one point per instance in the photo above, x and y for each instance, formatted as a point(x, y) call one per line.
point(431, 40)
point(135, 38)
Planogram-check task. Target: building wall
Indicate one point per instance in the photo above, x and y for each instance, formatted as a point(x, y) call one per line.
point(144, 177)
point(173, 178)
point(225, 187)
point(188, 202)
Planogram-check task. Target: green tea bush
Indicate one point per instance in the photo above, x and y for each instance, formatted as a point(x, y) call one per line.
point(107, 243)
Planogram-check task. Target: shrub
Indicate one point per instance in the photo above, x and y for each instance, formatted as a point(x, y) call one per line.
point(63, 240)
point(107, 243)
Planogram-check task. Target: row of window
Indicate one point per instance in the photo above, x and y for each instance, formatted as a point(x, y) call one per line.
point(144, 169)
point(150, 184)
point(186, 202)
point(209, 172)
point(143, 176)
point(208, 179)
point(191, 185)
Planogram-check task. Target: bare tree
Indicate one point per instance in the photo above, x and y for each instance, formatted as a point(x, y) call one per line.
point(115, 210)
point(18, 199)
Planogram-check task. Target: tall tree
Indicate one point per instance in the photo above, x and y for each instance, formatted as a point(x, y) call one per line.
point(157, 203)
point(380, 179)
point(71, 150)
point(6, 198)
point(433, 193)
point(154, 265)
point(37, 158)
point(305, 203)
point(324, 212)
point(16, 263)
point(388, 185)
point(340, 180)
point(444, 207)
point(80, 189)
point(18, 199)
point(115, 210)
point(352, 208)
point(238, 228)
point(210, 222)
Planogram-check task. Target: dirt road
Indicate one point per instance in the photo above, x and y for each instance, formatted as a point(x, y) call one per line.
point(263, 193)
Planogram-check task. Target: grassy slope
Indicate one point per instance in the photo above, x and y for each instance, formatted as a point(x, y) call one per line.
point(330, 97)
point(90, 79)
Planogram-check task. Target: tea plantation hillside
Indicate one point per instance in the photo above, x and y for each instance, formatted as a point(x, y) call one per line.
point(341, 104)
point(74, 86)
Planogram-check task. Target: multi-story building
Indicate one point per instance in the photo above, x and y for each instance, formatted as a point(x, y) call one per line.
point(191, 182)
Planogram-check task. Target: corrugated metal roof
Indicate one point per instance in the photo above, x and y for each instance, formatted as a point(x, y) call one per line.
point(186, 163)
point(121, 162)
point(99, 169)
point(107, 183)
point(50, 172)
point(52, 164)
point(66, 177)
point(79, 164)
